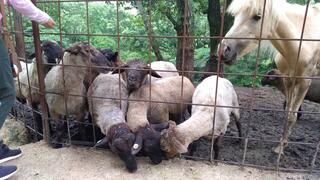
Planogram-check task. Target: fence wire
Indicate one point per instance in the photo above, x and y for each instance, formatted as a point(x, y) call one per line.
point(46, 129)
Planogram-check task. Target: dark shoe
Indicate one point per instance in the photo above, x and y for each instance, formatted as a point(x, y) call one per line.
point(7, 171)
point(7, 154)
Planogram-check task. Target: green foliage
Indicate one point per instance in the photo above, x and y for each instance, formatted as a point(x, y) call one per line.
point(133, 41)
point(243, 71)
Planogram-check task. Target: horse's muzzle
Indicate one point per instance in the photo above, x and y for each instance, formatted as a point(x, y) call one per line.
point(228, 54)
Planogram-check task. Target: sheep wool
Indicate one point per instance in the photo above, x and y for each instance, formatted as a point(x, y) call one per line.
point(161, 67)
point(177, 138)
point(67, 79)
point(105, 105)
point(141, 112)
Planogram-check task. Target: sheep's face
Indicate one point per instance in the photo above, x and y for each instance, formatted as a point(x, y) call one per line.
point(271, 78)
point(136, 73)
point(149, 137)
point(52, 51)
point(122, 144)
point(106, 59)
point(151, 145)
point(112, 57)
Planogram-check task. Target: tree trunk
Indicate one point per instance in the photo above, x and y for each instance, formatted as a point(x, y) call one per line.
point(185, 44)
point(149, 29)
point(20, 48)
point(214, 19)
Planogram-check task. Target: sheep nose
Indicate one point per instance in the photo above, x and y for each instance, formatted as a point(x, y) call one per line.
point(132, 78)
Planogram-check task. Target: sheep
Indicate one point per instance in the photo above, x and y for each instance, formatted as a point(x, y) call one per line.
point(142, 113)
point(109, 116)
point(106, 61)
point(51, 52)
point(164, 69)
point(134, 73)
point(273, 78)
point(70, 79)
point(176, 139)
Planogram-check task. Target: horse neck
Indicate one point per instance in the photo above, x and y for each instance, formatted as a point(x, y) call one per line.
point(286, 29)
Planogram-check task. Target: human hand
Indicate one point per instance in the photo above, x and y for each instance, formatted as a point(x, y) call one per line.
point(49, 24)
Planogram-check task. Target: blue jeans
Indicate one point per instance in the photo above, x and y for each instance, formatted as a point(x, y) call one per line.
point(7, 89)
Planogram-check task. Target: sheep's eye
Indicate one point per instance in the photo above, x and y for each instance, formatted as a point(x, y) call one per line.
point(256, 17)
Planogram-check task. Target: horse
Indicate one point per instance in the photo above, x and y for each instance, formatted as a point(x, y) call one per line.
point(283, 24)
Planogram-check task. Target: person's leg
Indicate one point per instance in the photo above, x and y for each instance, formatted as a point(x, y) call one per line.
point(7, 98)
point(7, 92)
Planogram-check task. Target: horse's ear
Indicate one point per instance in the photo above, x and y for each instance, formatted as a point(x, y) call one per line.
point(120, 69)
point(151, 71)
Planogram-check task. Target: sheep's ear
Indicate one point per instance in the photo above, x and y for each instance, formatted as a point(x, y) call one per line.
point(103, 143)
point(151, 71)
point(161, 126)
point(121, 70)
point(137, 144)
point(114, 57)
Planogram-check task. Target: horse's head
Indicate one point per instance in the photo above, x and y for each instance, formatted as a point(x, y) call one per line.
point(247, 25)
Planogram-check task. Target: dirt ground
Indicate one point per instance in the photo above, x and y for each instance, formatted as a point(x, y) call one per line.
point(262, 125)
point(42, 162)
point(268, 125)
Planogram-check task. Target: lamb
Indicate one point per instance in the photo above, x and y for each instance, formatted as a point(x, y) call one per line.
point(141, 114)
point(138, 71)
point(51, 52)
point(70, 79)
point(109, 116)
point(176, 139)
point(273, 78)
point(135, 72)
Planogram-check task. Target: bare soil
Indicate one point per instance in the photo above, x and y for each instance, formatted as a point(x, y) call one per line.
point(42, 162)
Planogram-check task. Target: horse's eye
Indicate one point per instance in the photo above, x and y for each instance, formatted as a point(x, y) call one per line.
point(256, 17)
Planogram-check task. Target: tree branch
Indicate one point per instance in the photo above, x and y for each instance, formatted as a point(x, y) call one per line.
point(171, 19)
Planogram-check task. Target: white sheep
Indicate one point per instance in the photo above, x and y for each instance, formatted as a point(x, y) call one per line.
point(141, 113)
point(164, 90)
point(176, 139)
point(68, 79)
point(138, 72)
point(108, 113)
point(51, 52)
point(164, 69)
point(67, 83)
point(65, 86)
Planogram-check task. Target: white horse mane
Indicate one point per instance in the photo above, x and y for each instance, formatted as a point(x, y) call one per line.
point(273, 10)
point(253, 7)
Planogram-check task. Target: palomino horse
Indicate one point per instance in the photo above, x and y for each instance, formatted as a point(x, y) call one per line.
point(281, 20)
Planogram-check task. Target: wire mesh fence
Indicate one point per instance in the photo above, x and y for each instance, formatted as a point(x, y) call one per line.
point(263, 118)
